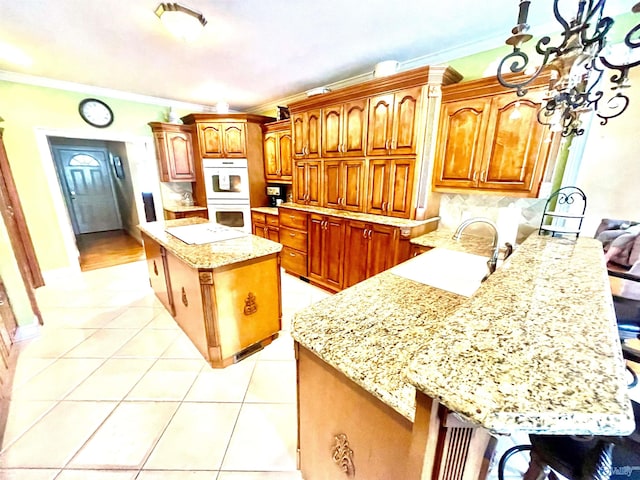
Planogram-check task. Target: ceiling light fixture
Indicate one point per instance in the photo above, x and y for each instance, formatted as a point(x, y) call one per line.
point(577, 64)
point(181, 21)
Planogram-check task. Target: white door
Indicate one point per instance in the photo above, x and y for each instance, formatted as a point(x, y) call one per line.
point(88, 188)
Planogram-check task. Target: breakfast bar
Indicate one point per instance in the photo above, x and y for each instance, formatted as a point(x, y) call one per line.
point(534, 349)
point(223, 289)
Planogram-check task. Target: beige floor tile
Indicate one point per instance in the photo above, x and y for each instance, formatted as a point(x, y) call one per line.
point(182, 347)
point(264, 439)
point(113, 380)
point(26, 368)
point(260, 476)
point(227, 384)
point(167, 380)
point(134, 317)
point(97, 475)
point(21, 416)
point(176, 475)
point(280, 349)
point(53, 343)
point(52, 441)
point(89, 317)
point(28, 474)
point(126, 437)
point(163, 321)
point(57, 380)
point(273, 381)
point(102, 344)
point(148, 300)
point(148, 343)
point(196, 438)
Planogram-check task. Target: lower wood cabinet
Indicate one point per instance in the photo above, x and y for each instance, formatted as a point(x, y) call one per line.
point(157, 265)
point(369, 249)
point(326, 250)
point(293, 236)
point(265, 225)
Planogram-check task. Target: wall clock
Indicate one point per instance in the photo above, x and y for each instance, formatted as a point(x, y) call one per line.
point(95, 112)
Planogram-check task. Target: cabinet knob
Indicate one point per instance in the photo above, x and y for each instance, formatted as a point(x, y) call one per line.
point(292, 254)
point(155, 268)
point(384, 206)
point(483, 177)
point(394, 144)
point(292, 235)
point(475, 176)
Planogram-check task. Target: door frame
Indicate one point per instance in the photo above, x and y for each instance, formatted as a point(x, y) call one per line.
point(64, 186)
point(144, 177)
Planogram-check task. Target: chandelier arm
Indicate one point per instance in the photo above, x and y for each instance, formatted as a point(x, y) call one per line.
point(602, 28)
point(620, 103)
point(518, 56)
point(556, 13)
point(629, 41)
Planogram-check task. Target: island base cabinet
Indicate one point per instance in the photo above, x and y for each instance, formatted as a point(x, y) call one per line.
point(156, 264)
point(228, 313)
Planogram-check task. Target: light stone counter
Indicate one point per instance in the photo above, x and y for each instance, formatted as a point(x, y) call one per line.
point(209, 255)
point(184, 208)
point(267, 210)
point(535, 349)
point(441, 238)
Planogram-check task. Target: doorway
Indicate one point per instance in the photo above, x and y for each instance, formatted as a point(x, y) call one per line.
point(96, 187)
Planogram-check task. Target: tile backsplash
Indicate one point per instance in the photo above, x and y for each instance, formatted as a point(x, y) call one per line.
point(455, 208)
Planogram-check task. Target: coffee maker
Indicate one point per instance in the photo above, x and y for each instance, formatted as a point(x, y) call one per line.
point(277, 194)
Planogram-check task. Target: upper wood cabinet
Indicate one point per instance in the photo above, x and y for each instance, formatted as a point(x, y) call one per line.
point(344, 184)
point(307, 182)
point(174, 152)
point(492, 141)
point(344, 129)
point(222, 140)
point(393, 123)
point(391, 187)
point(278, 164)
point(306, 131)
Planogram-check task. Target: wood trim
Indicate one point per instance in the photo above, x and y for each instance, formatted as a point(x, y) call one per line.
point(279, 126)
point(209, 311)
point(488, 86)
point(227, 117)
point(399, 81)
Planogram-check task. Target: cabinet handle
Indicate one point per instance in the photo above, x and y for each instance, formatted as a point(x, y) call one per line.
point(364, 233)
point(155, 268)
point(266, 231)
point(292, 254)
point(383, 206)
point(483, 177)
point(185, 300)
point(292, 235)
point(475, 176)
point(394, 144)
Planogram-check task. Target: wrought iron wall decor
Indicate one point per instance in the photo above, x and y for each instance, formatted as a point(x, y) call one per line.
point(566, 205)
point(578, 64)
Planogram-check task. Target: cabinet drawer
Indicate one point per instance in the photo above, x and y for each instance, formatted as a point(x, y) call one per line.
point(257, 217)
point(294, 261)
point(293, 219)
point(272, 220)
point(294, 239)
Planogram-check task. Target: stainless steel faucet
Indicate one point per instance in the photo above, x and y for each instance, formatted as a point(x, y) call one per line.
point(493, 261)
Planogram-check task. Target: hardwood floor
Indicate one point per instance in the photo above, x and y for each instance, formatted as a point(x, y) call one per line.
point(105, 249)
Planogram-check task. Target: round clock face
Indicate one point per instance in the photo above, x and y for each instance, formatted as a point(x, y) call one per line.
point(95, 112)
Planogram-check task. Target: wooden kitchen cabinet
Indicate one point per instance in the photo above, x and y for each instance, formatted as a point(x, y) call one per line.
point(344, 129)
point(307, 182)
point(344, 184)
point(326, 250)
point(306, 134)
point(174, 152)
point(265, 225)
point(390, 187)
point(222, 139)
point(277, 152)
point(393, 125)
point(369, 250)
point(156, 256)
point(294, 238)
point(491, 141)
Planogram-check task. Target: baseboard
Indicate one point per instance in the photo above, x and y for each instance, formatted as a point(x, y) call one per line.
point(57, 274)
point(27, 332)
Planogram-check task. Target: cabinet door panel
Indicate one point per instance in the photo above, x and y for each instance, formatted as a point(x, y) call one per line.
point(162, 156)
point(180, 154)
point(273, 234)
point(355, 128)
point(157, 274)
point(313, 125)
point(381, 249)
point(404, 121)
point(298, 130)
point(314, 182)
point(284, 151)
point(355, 253)
point(211, 139)
point(234, 143)
point(378, 192)
point(316, 246)
point(459, 152)
point(380, 123)
point(294, 261)
point(300, 182)
point(331, 131)
point(514, 144)
point(401, 188)
point(353, 182)
point(333, 249)
point(332, 184)
point(271, 155)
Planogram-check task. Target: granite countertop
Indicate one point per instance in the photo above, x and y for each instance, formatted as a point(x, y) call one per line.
point(267, 210)
point(184, 208)
point(363, 217)
point(209, 255)
point(535, 349)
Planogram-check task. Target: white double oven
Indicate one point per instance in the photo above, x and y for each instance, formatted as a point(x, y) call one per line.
point(227, 188)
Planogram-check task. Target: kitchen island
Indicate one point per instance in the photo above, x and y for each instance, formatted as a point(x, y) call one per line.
point(399, 379)
point(225, 295)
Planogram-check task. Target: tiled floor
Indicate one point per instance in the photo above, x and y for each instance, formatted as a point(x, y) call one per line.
point(112, 389)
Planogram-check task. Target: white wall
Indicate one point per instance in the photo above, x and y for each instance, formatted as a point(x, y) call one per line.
point(610, 169)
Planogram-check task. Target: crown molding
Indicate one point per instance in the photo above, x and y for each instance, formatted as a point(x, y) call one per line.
point(99, 91)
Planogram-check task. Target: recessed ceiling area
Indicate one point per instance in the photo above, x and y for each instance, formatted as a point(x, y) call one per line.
point(250, 52)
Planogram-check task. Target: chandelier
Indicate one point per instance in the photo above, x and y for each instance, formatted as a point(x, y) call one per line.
point(577, 65)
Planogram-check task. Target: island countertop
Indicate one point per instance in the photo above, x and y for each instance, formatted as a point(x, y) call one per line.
point(209, 255)
point(535, 349)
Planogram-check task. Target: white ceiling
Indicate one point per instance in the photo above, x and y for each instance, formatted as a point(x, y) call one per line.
point(251, 51)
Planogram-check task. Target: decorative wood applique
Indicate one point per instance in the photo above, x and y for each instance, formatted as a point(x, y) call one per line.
point(155, 268)
point(206, 278)
point(343, 455)
point(185, 301)
point(250, 305)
